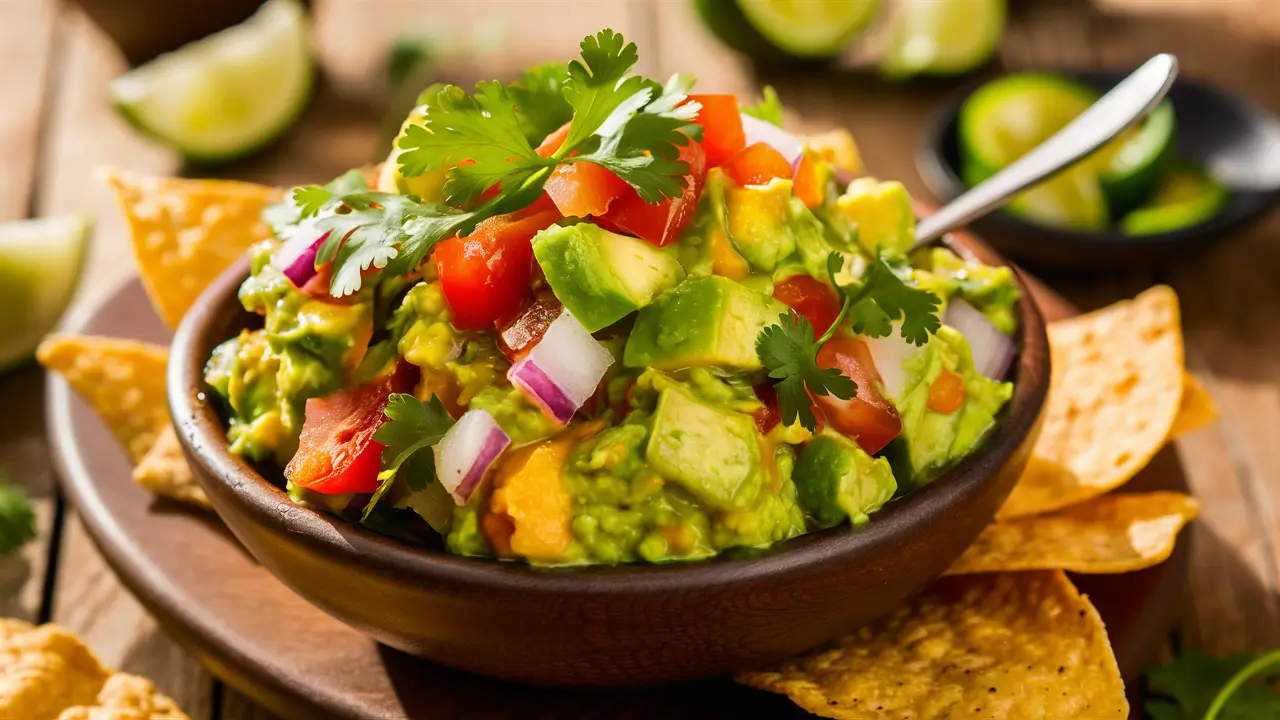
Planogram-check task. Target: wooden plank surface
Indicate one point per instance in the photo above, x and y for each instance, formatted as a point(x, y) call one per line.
point(57, 126)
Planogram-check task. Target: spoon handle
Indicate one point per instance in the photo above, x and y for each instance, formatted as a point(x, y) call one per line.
point(1114, 112)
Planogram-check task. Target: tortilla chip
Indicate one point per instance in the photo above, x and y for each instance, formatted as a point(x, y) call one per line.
point(1114, 393)
point(1014, 645)
point(186, 232)
point(44, 670)
point(127, 697)
point(164, 471)
point(1197, 409)
point(122, 379)
point(1109, 534)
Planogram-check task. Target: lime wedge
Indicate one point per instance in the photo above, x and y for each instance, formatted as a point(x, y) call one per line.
point(807, 28)
point(1070, 200)
point(39, 268)
point(943, 37)
point(1187, 197)
point(1135, 168)
point(228, 94)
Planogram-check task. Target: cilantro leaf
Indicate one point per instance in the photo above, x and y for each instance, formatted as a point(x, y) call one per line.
point(595, 87)
point(790, 354)
point(1197, 687)
point(884, 296)
point(309, 200)
point(539, 96)
point(768, 109)
point(17, 519)
point(411, 427)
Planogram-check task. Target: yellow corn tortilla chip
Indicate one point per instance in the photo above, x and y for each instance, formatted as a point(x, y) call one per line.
point(1019, 646)
point(127, 697)
point(1197, 409)
point(44, 670)
point(164, 471)
point(1109, 534)
point(186, 232)
point(1115, 390)
point(122, 379)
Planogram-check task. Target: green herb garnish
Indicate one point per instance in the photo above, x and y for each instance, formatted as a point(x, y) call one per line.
point(871, 305)
point(768, 109)
point(412, 427)
point(631, 125)
point(1198, 687)
point(17, 519)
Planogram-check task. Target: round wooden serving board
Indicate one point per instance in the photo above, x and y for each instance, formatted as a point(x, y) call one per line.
point(267, 642)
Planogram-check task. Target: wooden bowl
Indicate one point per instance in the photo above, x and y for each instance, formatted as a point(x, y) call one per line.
point(619, 625)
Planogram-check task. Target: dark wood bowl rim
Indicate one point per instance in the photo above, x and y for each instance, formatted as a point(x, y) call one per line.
point(202, 435)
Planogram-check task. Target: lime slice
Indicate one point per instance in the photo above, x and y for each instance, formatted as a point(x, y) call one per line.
point(943, 37)
point(1140, 161)
point(1187, 197)
point(39, 268)
point(228, 94)
point(1070, 200)
point(805, 28)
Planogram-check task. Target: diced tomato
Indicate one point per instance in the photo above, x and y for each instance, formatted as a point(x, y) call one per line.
point(336, 451)
point(551, 143)
point(484, 275)
point(811, 298)
point(518, 333)
point(946, 392)
point(756, 165)
point(767, 417)
point(584, 189)
point(662, 223)
point(722, 134)
point(867, 417)
point(810, 180)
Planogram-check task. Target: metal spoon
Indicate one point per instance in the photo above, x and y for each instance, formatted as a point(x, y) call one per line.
point(1111, 115)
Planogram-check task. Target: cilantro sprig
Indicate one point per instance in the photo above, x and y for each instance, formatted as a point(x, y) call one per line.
point(1197, 687)
point(411, 429)
point(631, 125)
point(871, 304)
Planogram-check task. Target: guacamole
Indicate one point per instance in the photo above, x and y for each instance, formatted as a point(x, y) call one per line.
point(638, 338)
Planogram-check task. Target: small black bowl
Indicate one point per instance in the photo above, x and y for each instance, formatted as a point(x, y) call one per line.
point(1234, 139)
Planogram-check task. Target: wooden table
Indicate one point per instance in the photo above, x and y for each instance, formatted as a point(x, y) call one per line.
point(56, 127)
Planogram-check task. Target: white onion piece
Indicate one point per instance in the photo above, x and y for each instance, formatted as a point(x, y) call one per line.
point(992, 350)
point(435, 505)
point(467, 451)
point(763, 131)
point(889, 354)
point(563, 370)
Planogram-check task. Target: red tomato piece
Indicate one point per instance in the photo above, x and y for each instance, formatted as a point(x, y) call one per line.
point(336, 451)
point(811, 298)
point(809, 180)
point(757, 165)
point(551, 143)
point(518, 334)
point(722, 134)
point(662, 223)
point(867, 417)
point(584, 189)
point(946, 392)
point(767, 417)
point(484, 275)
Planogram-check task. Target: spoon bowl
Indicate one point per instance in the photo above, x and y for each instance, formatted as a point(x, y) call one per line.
point(1234, 139)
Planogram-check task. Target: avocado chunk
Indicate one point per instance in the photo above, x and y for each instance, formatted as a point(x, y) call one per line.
point(706, 320)
point(758, 222)
point(714, 454)
point(836, 479)
point(935, 441)
point(882, 213)
point(601, 277)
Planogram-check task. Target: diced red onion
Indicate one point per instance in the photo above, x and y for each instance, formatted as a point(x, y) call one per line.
point(467, 451)
point(563, 370)
point(296, 258)
point(992, 350)
point(758, 131)
point(889, 353)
